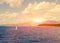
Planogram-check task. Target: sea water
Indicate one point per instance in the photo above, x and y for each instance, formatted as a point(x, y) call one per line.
point(29, 34)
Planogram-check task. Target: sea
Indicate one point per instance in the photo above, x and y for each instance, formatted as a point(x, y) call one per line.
point(29, 34)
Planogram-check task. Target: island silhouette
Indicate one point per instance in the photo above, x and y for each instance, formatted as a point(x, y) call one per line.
point(49, 23)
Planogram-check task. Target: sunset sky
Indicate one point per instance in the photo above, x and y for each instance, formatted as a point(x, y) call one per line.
point(21, 11)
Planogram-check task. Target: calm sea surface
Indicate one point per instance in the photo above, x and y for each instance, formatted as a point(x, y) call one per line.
point(28, 34)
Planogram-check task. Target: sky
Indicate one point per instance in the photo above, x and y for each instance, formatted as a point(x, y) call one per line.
point(21, 11)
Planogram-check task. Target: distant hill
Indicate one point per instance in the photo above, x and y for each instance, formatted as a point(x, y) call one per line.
point(50, 23)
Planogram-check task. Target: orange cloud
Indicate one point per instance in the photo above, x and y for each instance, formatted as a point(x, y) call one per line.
point(42, 10)
point(45, 10)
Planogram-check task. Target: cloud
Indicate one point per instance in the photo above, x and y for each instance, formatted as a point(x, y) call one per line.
point(12, 18)
point(42, 10)
point(45, 10)
point(1, 1)
point(8, 18)
point(42, 6)
point(12, 3)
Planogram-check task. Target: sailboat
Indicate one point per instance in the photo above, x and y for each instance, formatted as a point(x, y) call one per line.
point(16, 27)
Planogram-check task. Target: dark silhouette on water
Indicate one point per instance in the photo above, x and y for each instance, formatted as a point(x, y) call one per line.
point(49, 25)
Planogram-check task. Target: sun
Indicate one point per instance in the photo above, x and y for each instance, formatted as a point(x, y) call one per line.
point(38, 21)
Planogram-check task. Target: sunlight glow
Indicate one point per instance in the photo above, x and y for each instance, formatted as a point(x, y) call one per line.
point(38, 21)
